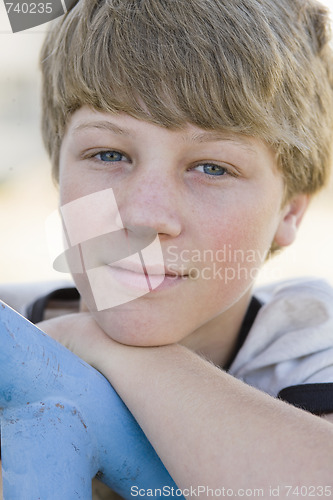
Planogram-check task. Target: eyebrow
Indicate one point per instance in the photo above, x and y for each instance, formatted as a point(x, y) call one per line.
point(216, 136)
point(104, 125)
point(200, 138)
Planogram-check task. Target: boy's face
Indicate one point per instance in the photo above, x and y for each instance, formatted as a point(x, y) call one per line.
point(213, 198)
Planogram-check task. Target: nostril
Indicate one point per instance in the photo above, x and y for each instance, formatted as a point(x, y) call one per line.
point(144, 232)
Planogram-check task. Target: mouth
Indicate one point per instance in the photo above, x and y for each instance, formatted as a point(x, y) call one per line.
point(148, 268)
point(145, 278)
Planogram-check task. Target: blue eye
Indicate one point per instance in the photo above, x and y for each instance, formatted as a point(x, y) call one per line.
point(212, 169)
point(110, 156)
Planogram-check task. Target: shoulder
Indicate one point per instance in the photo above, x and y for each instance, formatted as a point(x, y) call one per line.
point(297, 304)
point(291, 340)
point(300, 291)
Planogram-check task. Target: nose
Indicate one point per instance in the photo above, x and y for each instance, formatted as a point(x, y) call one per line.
point(150, 200)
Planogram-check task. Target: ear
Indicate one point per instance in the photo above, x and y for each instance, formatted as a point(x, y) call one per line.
point(291, 217)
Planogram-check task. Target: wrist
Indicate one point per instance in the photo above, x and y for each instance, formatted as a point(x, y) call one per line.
point(119, 361)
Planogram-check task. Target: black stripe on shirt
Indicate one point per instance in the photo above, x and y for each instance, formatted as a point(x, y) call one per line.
point(315, 398)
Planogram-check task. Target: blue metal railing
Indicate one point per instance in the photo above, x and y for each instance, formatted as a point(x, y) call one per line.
point(62, 423)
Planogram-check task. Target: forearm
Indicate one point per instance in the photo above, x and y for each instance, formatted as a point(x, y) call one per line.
point(208, 427)
point(211, 429)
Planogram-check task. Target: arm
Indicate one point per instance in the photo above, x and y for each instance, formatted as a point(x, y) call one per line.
point(328, 417)
point(208, 427)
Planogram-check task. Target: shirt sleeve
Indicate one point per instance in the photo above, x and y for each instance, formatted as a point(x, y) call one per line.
point(290, 345)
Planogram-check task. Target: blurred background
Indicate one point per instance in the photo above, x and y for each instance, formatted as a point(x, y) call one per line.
point(27, 195)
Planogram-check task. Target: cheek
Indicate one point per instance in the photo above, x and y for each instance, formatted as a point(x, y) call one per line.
point(76, 182)
point(69, 185)
point(240, 238)
point(238, 230)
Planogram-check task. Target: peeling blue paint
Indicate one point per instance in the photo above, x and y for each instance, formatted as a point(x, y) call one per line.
point(62, 423)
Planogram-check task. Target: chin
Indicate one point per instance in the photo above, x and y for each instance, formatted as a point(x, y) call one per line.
point(125, 327)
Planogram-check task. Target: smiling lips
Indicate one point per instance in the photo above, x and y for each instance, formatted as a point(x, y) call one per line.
point(153, 269)
point(134, 276)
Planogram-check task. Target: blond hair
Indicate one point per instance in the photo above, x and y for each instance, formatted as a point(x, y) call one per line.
point(258, 67)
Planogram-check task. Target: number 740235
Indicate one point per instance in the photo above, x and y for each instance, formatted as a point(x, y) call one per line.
point(29, 8)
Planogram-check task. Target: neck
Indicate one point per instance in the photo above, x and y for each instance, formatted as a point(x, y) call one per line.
point(216, 340)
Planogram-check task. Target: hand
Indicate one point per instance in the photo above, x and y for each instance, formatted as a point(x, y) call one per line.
point(80, 334)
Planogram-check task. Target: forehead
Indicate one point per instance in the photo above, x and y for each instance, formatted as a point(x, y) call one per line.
point(87, 120)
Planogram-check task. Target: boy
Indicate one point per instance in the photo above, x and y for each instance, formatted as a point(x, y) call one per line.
point(208, 123)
